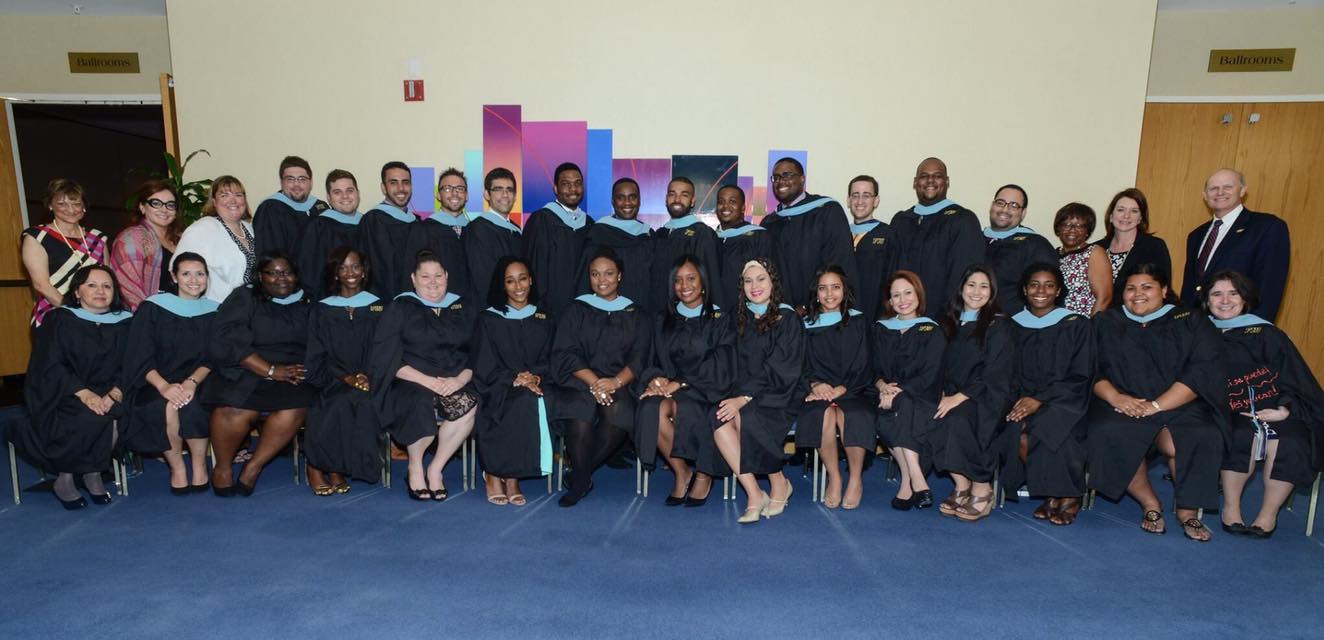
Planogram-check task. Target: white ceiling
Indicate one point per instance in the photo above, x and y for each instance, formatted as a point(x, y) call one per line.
point(1234, 5)
point(83, 7)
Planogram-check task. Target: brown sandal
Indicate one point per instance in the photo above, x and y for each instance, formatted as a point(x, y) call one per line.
point(1047, 509)
point(1198, 527)
point(1150, 517)
point(1066, 513)
point(971, 512)
point(953, 502)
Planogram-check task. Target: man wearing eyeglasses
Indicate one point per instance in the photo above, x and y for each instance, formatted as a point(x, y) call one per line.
point(442, 233)
point(808, 232)
point(683, 234)
point(937, 238)
point(493, 234)
point(1012, 247)
point(281, 219)
point(875, 248)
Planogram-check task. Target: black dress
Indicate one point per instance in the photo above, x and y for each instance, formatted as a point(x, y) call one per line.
point(911, 359)
point(343, 431)
point(1261, 357)
point(73, 350)
point(875, 257)
point(554, 250)
point(736, 247)
point(805, 237)
point(632, 241)
point(837, 353)
point(1144, 360)
point(939, 246)
point(486, 241)
point(433, 340)
point(1055, 365)
point(983, 372)
point(701, 353)
point(604, 342)
point(320, 237)
point(276, 331)
point(694, 238)
point(443, 235)
point(513, 431)
point(768, 367)
point(169, 335)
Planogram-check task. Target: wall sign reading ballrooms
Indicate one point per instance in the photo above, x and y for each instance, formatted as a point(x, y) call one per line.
point(1225, 60)
point(103, 62)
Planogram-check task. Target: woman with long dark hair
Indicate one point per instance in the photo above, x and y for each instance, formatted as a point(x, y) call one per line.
point(142, 252)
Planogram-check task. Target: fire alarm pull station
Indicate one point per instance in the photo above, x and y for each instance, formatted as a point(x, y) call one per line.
point(413, 90)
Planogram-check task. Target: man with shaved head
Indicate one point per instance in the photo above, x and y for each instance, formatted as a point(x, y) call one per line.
point(1255, 244)
point(938, 239)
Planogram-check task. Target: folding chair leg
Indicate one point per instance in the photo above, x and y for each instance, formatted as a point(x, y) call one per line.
point(294, 456)
point(648, 479)
point(1314, 499)
point(998, 489)
point(18, 499)
point(817, 486)
point(560, 466)
point(473, 462)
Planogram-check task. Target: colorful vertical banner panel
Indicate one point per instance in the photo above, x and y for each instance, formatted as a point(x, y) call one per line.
point(597, 174)
point(546, 145)
point(709, 173)
point(424, 200)
point(746, 184)
point(473, 171)
point(502, 125)
point(652, 174)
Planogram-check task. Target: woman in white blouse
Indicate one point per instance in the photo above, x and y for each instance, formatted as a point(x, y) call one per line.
point(224, 237)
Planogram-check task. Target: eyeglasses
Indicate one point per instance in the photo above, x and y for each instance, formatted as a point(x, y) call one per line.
point(785, 176)
point(499, 190)
point(458, 188)
point(860, 196)
point(296, 179)
point(1073, 225)
point(1014, 206)
point(162, 204)
point(277, 273)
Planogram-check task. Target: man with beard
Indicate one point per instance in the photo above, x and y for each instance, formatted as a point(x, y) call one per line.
point(631, 239)
point(493, 235)
point(443, 233)
point(739, 242)
point(683, 234)
point(385, 231)
point(1011, 247)
point(280, 221)
point(937, 238)
point(808, 232)
point(554, 240)
point(875, 248)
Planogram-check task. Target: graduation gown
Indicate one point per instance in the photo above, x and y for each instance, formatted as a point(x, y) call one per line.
point(672, 242)
point(169, 335)
point(1144, 360)
point(700, 352)
point(277, 332)
point(1009, 258)
point(984, 373)
point(633, 244)
point(279, 223)
point(1055, 365)
point(71, 353)
point(735, 248)
point(436, 343)
point(604, 342)
point(447, 241)
point(913, 360)
point(485, 243)
point(805, 237)
point(323, 234)
point(768, 367)
point(343, 431)
point(875, 259)
point(513, 430)
point(838, 354)
point(554, 248)
point(384, 234)
point(939, 246)
point(1263, 358)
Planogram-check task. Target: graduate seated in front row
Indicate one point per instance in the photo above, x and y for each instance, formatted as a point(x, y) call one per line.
point(72, 390)
point(1274, 404)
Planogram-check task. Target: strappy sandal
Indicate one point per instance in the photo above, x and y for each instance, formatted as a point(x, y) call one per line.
point(1196, 525)
point(518, 500)
point(970, 512)
point(1047, 509)
point(1066, 513)
point(341, 488)
point(498, 499)
point(953, 502)
point(1152, 516)
point(323, 490)
point(776, 507)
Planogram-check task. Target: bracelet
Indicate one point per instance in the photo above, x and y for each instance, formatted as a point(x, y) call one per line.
point(190, 379)
point(271, 372)
point(1154, 403)
point(748, 399)
point(618, 382)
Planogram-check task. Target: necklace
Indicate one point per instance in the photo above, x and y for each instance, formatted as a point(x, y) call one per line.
point(82, 235)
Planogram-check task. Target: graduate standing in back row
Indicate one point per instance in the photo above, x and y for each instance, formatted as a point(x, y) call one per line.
point(493, 235)
point(738, 243)
point(630, 239)
point(683, 234)
point(554, 240)
point(808, 232)
point(280, 221)
point(938, 238)
point(875, 248)
point(336, 227)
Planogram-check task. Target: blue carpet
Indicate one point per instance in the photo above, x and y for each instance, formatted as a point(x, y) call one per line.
point(373, 564)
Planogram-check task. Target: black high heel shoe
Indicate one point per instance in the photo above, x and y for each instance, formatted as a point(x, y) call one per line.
point(572, 497)
point(102, 498)
point(673, 501)
point(180, 491)
point(418, 494)
point(903, 504)
point(923, 499)
point(72, 505)
point(243, 489)
point(223, 492)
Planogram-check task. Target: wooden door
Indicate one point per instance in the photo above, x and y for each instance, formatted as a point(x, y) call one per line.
point(15, 294)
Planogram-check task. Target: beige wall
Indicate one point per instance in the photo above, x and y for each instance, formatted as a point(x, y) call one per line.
point(1182, 40)
point(34, 53)
point(1047, 94)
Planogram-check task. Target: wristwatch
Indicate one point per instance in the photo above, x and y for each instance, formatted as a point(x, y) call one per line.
point(271, 372)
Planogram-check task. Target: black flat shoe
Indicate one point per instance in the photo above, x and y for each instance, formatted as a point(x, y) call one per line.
point(1236, 528)
point(572, 498)
point(223, 492)
point(72, 505)
point(923, 499)
point(102, 498)
point(199, 488)
point(903, 504)
point(1254, 531)
point(180, 491)
point(243, 489)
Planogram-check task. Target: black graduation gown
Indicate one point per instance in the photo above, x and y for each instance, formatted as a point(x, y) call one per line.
point(604, 342)
point(1009, 258)
point(485, 244)
point(1263, 357)
point(668, 244)
point(436, 344)
point(68, 355)
point(875, 258)
point(984, 373)
point(343, 431)
point(768, 367)
point(1055, 365)
point(838, 355)
point(386, 241)
point(448, 243)
point(938, 247)
point(1143, 360)
point(277, 332)
point(700, 352)
point(734, 252)
point(508, 431)
point(913, 360)
point(276, 225)
point(553, 250)
point(175, 346)
point(322, 235)
point(805, 242)
point(636, 252)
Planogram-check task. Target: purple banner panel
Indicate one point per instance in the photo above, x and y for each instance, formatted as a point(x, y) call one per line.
point(746, 184)
point(546, 145)
point(652, 174)
point(424, 201)
point(502, 125)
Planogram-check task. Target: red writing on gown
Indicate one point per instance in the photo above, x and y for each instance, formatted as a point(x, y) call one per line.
point(1262, 380)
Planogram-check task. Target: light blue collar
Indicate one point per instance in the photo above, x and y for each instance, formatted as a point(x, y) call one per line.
point(1028, 320)
point(804, 207)
point(1243, 320)
point(632, 227)
point(302, 207)
point(500, 221)
point(969, 316)
point(897, 324)
point(863, 227)
point(759, 309)
point(602, 304)
point(290, 299)
point(1162, 311)
point(515, 314)
point(682, 222)
point(343, 218)
point(360, 299)
point(828, 319)
point(395, 212)
point(573, 219)
point(687, 312)
point(739, 231)
point(184, 308)
point(930, 209)
point(449, 220)
point(446, 300)
point(991, 234)
point(109, 317)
